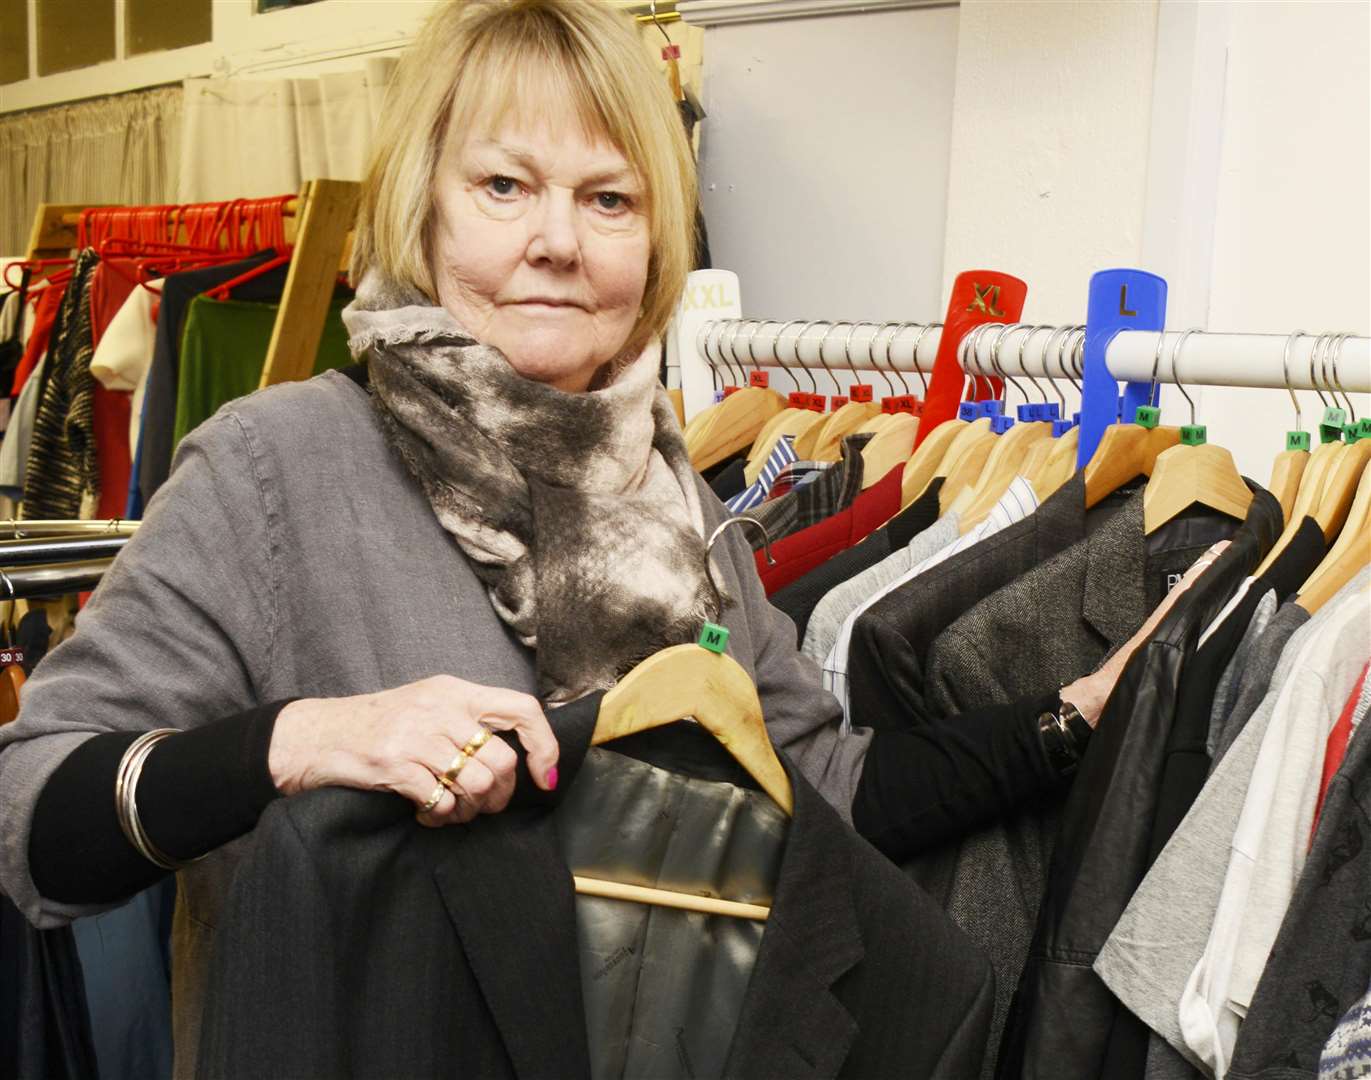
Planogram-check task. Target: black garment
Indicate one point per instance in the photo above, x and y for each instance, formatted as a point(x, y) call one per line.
point(198, 790)
point(1187, 758)
point(44, 1023)
point(12, 348)
point(33, 635)
point(801, 597)
point(938, 782)
point(888, 653)
point(730, 480)
point(1101, 851)
point(355, 943)
point(159, 404)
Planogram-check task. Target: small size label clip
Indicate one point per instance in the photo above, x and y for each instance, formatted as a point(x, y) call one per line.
point(1297, 440)
point(1194, 435)
point(1148, 416)
point(714, 637)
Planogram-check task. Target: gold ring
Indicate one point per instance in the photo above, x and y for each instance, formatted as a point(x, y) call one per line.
point(433, 800)
point(449, 777)
point(477, 741)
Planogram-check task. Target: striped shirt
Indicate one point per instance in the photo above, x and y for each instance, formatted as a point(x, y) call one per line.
point(782, 454)
point(1018, 501)
point(62, 463)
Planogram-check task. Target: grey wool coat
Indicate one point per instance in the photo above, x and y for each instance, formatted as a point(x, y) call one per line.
point(291, 554)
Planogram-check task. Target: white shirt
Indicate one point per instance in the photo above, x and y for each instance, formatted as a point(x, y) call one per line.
point(1018, 501)
point(1272, 836)
point(124, 355)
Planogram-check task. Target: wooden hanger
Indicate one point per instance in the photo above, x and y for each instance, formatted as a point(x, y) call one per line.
point(1196, 472)
point(889, 447)
point(1125, 452)
point(1348, 556)
point(1291, 462)
point(828, 445)
point(965, 459)
point(921, 469)
point(710, 687)
point(1058, 466)
point(1320, 465)
point(1005, 461)
point(732, 425)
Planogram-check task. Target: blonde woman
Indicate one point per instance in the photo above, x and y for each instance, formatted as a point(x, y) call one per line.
point(350, 580)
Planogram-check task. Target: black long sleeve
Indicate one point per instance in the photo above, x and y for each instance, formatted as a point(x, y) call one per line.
point(198, 790)
point(922, 786)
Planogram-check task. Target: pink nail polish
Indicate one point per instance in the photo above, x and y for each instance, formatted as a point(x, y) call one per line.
point(552, 778)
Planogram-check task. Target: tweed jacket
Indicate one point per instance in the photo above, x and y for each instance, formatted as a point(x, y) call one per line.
point(1052, 625)
point(356, 944)
point(890, 642)
point(291, 554)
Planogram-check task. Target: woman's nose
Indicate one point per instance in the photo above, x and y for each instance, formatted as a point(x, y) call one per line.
point(554, 239)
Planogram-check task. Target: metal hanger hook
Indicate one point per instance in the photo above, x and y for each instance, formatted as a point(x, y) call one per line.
point(889, 360)
point(755, 327)
point(1005, 330)
point(1023, 341)
point(707, 329)
point(1052, 382)
point(734, 325)
point(1285, 373)
point(914, 353)
point(871, 356)
point(1156, 363)
point(776, 348)
point(814, 386)
point(966, 352)
point(741, 519)
point(1337, 381)
point(1175, 371)
point(1318, 349)
point(837, 386)
point(847, 353)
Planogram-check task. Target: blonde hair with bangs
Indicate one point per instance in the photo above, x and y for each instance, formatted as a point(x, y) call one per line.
point(477, 60)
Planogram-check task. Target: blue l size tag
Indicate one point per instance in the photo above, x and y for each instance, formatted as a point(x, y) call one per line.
point(1120, 299)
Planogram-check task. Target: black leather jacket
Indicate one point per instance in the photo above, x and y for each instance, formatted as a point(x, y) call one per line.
point(1063, 1017)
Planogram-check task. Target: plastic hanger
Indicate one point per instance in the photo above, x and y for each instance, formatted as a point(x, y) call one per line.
point(1017, 452)
point(1127, 451)
point(848, 417)
point(894, 442)
point(1291, 462)
point(794, 420)
point(733, 424)
point(1197, 471)
point(702, 683)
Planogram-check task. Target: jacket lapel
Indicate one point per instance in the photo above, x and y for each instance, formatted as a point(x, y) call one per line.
point(507, 886)
point(1060, 520)
point(791, 1024)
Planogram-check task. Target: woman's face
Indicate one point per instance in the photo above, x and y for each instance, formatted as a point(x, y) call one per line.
point(540, 247)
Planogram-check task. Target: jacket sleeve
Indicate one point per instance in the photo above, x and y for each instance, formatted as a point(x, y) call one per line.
point(179, 632)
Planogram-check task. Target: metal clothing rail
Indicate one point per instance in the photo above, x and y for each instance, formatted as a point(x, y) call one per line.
point(62, 549)
point(59, 580)
point(1314, 361)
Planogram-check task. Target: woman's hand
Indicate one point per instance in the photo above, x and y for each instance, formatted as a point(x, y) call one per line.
point(401, 740)
point(1090, 693)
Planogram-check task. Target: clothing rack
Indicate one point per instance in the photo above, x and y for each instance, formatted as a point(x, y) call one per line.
point(1315, 362)
point(324, 212)
point(60, 579)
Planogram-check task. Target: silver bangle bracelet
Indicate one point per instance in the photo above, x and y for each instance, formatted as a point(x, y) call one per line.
point(126, 799)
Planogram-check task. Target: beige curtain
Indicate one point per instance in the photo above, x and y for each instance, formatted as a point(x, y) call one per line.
point(252, 137)
point(121, 149)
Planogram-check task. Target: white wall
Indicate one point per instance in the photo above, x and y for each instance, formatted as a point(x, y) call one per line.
point(1292, 233)
point(824, 161)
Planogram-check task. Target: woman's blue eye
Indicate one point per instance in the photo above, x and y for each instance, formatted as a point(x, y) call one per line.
point(502, 185)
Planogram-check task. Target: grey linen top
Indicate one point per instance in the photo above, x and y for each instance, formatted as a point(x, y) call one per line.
point(291, 554)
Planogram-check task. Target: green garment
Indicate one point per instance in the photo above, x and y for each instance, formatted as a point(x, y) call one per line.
point(223, 348)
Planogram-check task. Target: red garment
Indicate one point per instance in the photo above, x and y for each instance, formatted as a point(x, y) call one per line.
point(801, 552)
point(1337, 748)
point(110, 286)
point(44, 315)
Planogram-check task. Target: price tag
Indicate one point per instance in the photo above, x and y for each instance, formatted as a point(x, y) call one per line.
point(11, 656)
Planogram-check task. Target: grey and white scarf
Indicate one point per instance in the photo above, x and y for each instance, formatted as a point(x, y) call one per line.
point(579, 512)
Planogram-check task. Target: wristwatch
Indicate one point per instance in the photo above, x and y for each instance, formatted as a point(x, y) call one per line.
point(1064, 735)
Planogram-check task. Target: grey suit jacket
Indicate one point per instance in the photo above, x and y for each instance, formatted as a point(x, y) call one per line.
point(356, 944)
point(292, 555)
point(1054, 624)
